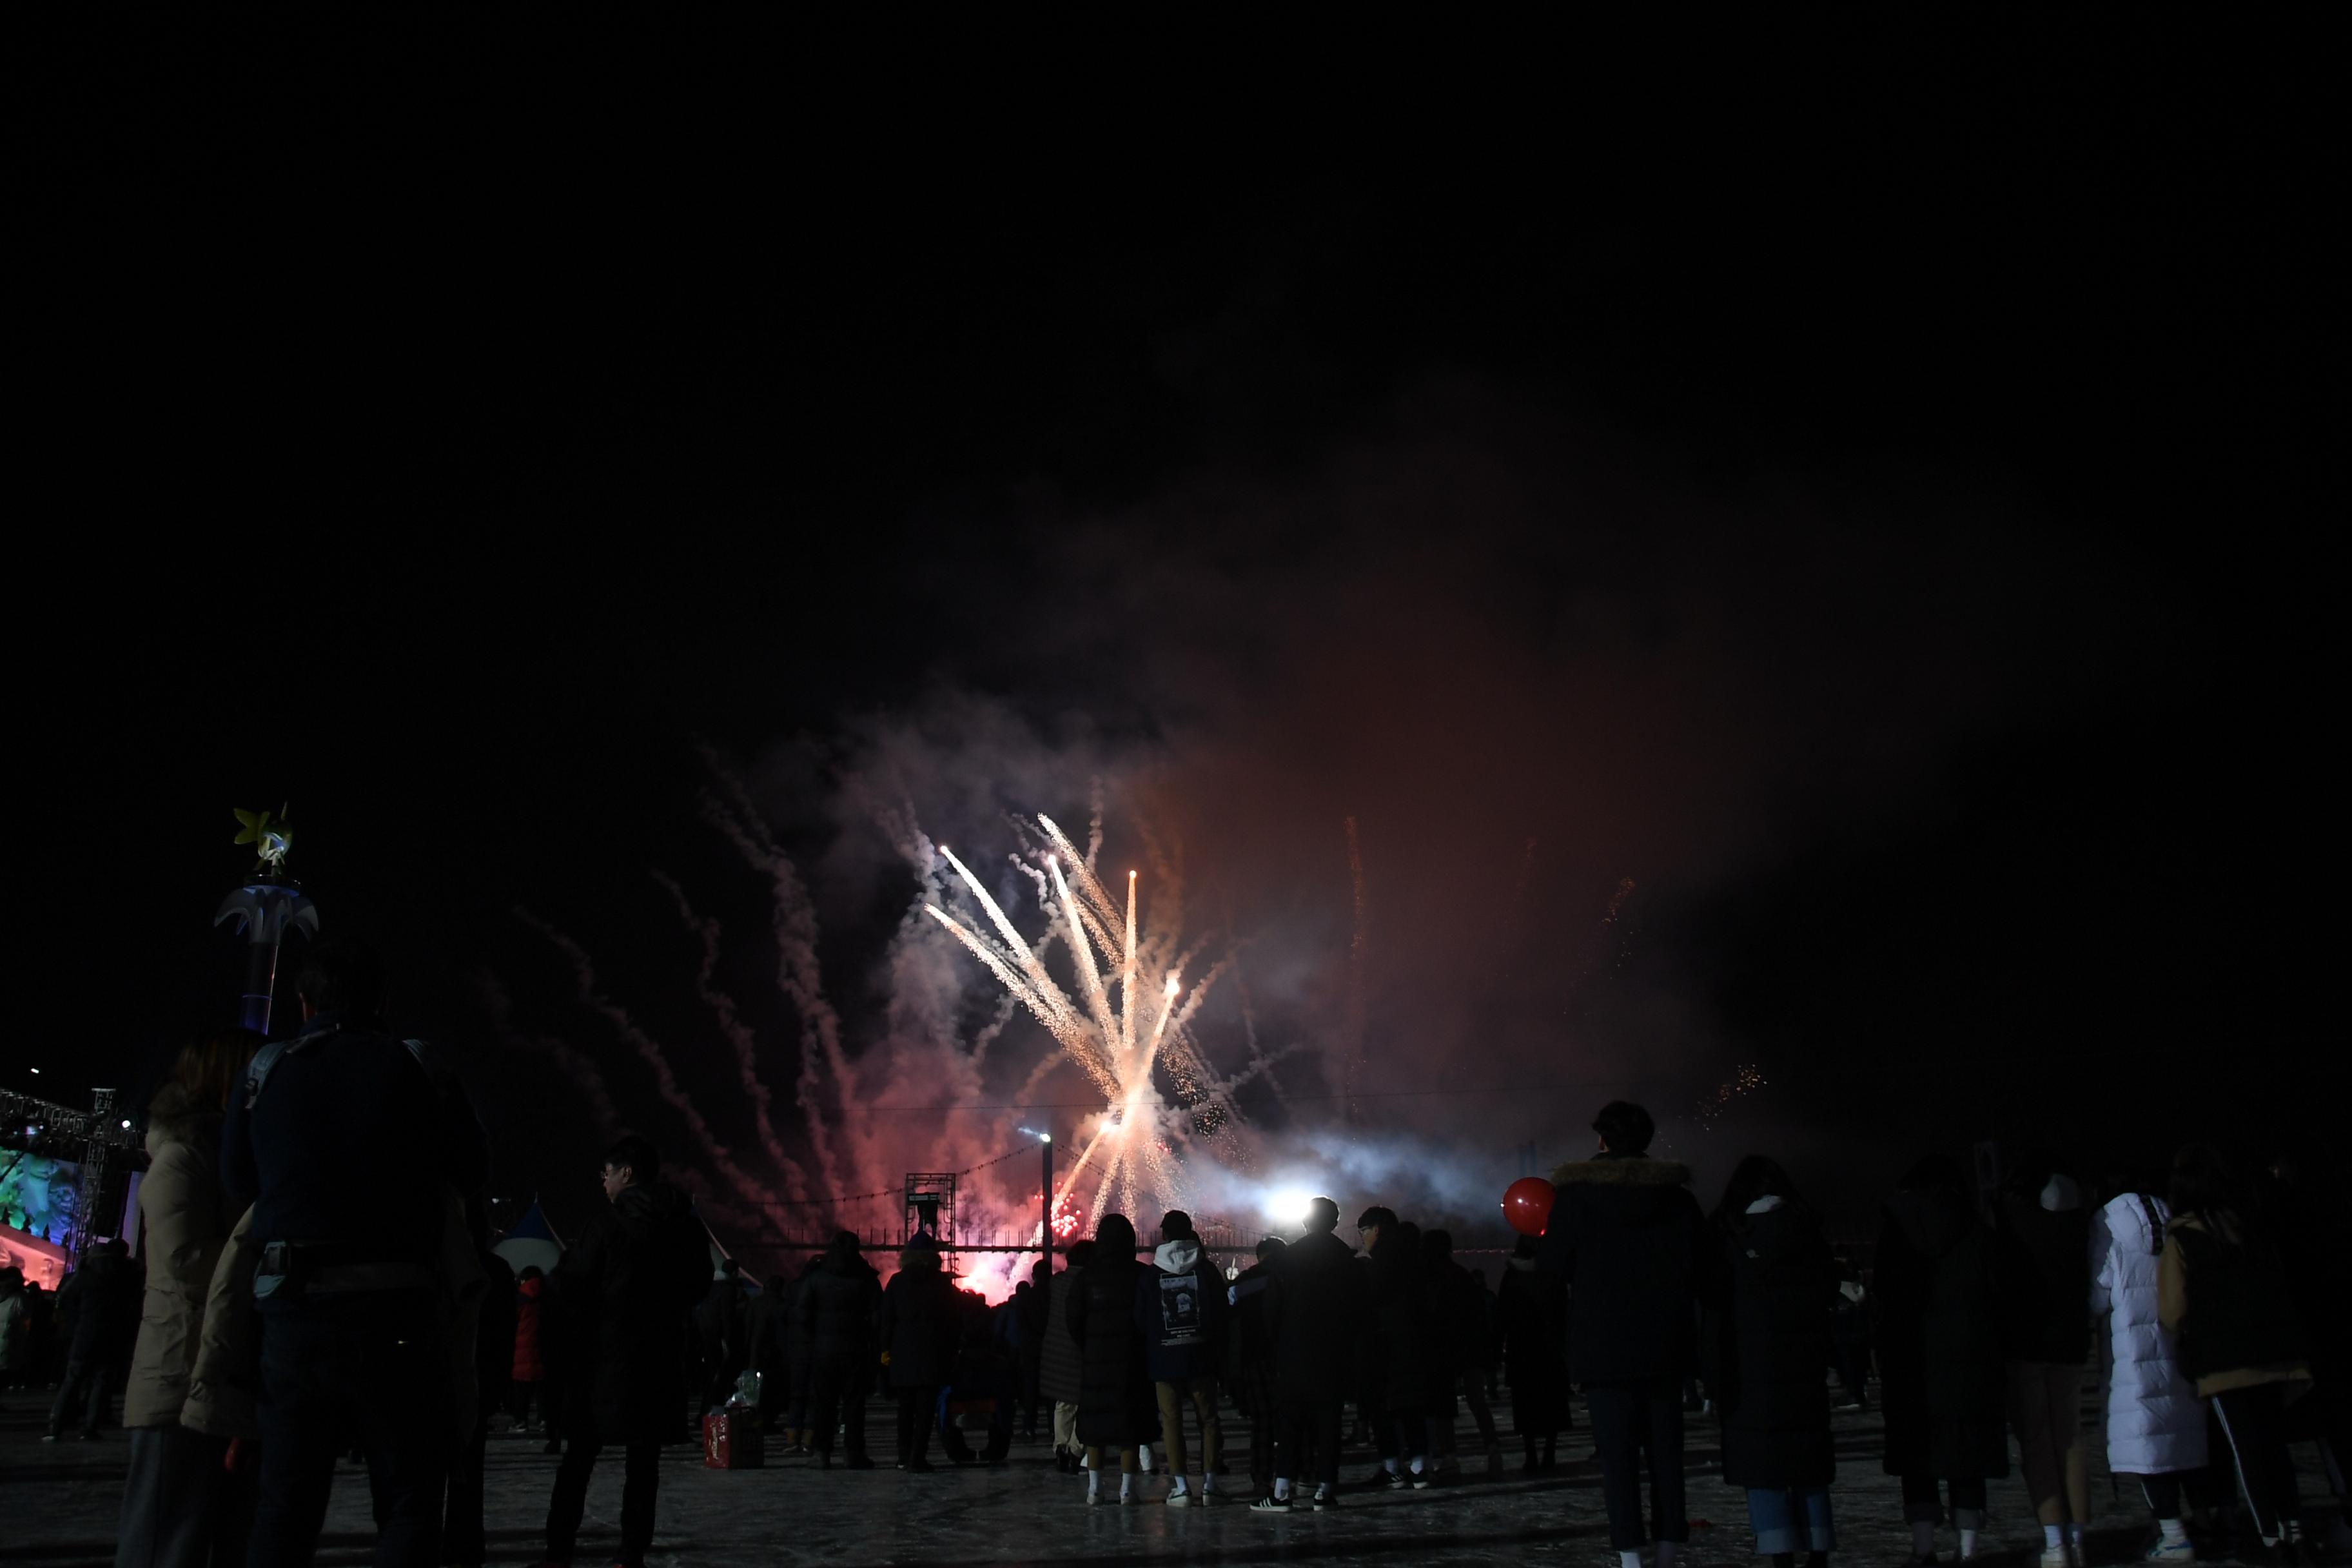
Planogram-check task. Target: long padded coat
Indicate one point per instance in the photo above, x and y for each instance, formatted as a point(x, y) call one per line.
point(1771, 1342)
point(1939, 1357)
point(2156, 1423)
point(1117, 1406)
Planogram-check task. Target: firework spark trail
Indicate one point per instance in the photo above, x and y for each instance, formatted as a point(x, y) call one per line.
point(585, 976)
point(1746, 1079)
point(738, 1036)
point(794, 919)
point(575, 1064)
point(1105, 1029)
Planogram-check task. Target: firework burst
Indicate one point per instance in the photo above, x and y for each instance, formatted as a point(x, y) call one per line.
point(1124, 1017)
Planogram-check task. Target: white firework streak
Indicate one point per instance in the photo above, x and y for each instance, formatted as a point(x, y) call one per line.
point(1131, 1010)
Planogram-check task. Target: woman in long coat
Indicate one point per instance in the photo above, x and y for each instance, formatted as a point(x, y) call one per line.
point(1531, 1310)
point(173, 1499)
point(1939, 1352)
point(1117, 1406)
point(1058, 1367)
point(2155, 1421)
point(1769, 1349)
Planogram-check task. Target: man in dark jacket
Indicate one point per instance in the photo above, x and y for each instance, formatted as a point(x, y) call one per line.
point(1466, 1344)
point(1179, 1305)
point(1249, 1361)
point(627, 1287)
point(100, 1299)
point(1630, 1242)
point(834, 1314)
point(919, 1335)
point(1315, 1315)
point(341, 1141)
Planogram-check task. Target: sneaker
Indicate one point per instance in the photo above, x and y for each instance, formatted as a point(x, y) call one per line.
point(1420, 1479)
point(2057, 1557)
point(1271, 1504)
point(1325, 1501)
point(1206, 1498)
point(1180, 1498)
point(48, 1436)
point(2172, 1551)
point(1394, 1480)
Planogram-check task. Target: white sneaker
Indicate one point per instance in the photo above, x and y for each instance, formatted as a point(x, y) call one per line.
point(1180, 1498)
point(2172, 1551)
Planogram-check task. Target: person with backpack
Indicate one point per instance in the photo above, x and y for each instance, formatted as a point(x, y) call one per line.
point(1180, 1307)
point(2222, 1289)
point(2155, 1421)
point(340, 1143)
point(625, 1290)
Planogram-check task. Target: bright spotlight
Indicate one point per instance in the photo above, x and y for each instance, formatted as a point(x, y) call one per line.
point(1045, 1137)
point(1289, 1206)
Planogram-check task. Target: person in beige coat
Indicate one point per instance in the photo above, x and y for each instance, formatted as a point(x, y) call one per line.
point(172, 1499)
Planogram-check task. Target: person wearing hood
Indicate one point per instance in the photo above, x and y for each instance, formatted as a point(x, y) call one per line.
point(624, 1290)
point(1316, 1307)
point(1249, 1359)
point(1531, 1310)
point(1942, 1384)
point(1629, 1240)
point(2155, 1421)
point(1116, 1408)
point(1179, 1308)
point(1767, 1347)
point(172, 1497)
point(919, 1335)
point(2042, 1271)
point(1059, 1364)
point(2223, 1291)
point(837, 1313)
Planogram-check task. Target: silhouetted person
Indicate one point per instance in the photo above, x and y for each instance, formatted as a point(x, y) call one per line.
point(1939, 1361)
point(99, 1300)
point(462, 1542)
point(1117, 1410)
point(918, 1334)
point(2224, 1290)
point(2042, 1271)
point(624, 1291)
point(1249, 1361)
point(1465, 1336)
point(720, 1323)
point(1401, 1370)
point(1629, 1240)
point(1059, 1371)
point(1531, 1312)
point(1766, 1347)
point(837, 1311)
point(1317, 1306)
point(344, 1143)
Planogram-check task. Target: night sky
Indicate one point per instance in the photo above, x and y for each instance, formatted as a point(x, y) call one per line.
point(1868, 487)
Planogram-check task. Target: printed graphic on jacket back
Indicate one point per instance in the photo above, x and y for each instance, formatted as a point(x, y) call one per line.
point(1180, 1309)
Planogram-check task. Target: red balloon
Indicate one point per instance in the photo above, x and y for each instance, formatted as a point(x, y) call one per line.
point(1527, 1204)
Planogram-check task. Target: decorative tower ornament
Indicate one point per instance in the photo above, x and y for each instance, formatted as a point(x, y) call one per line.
point(265, 907)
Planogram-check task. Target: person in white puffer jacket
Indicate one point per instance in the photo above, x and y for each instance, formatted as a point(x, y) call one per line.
point(2155, 1421)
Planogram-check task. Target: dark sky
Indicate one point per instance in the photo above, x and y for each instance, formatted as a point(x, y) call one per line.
point(1863, 485)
